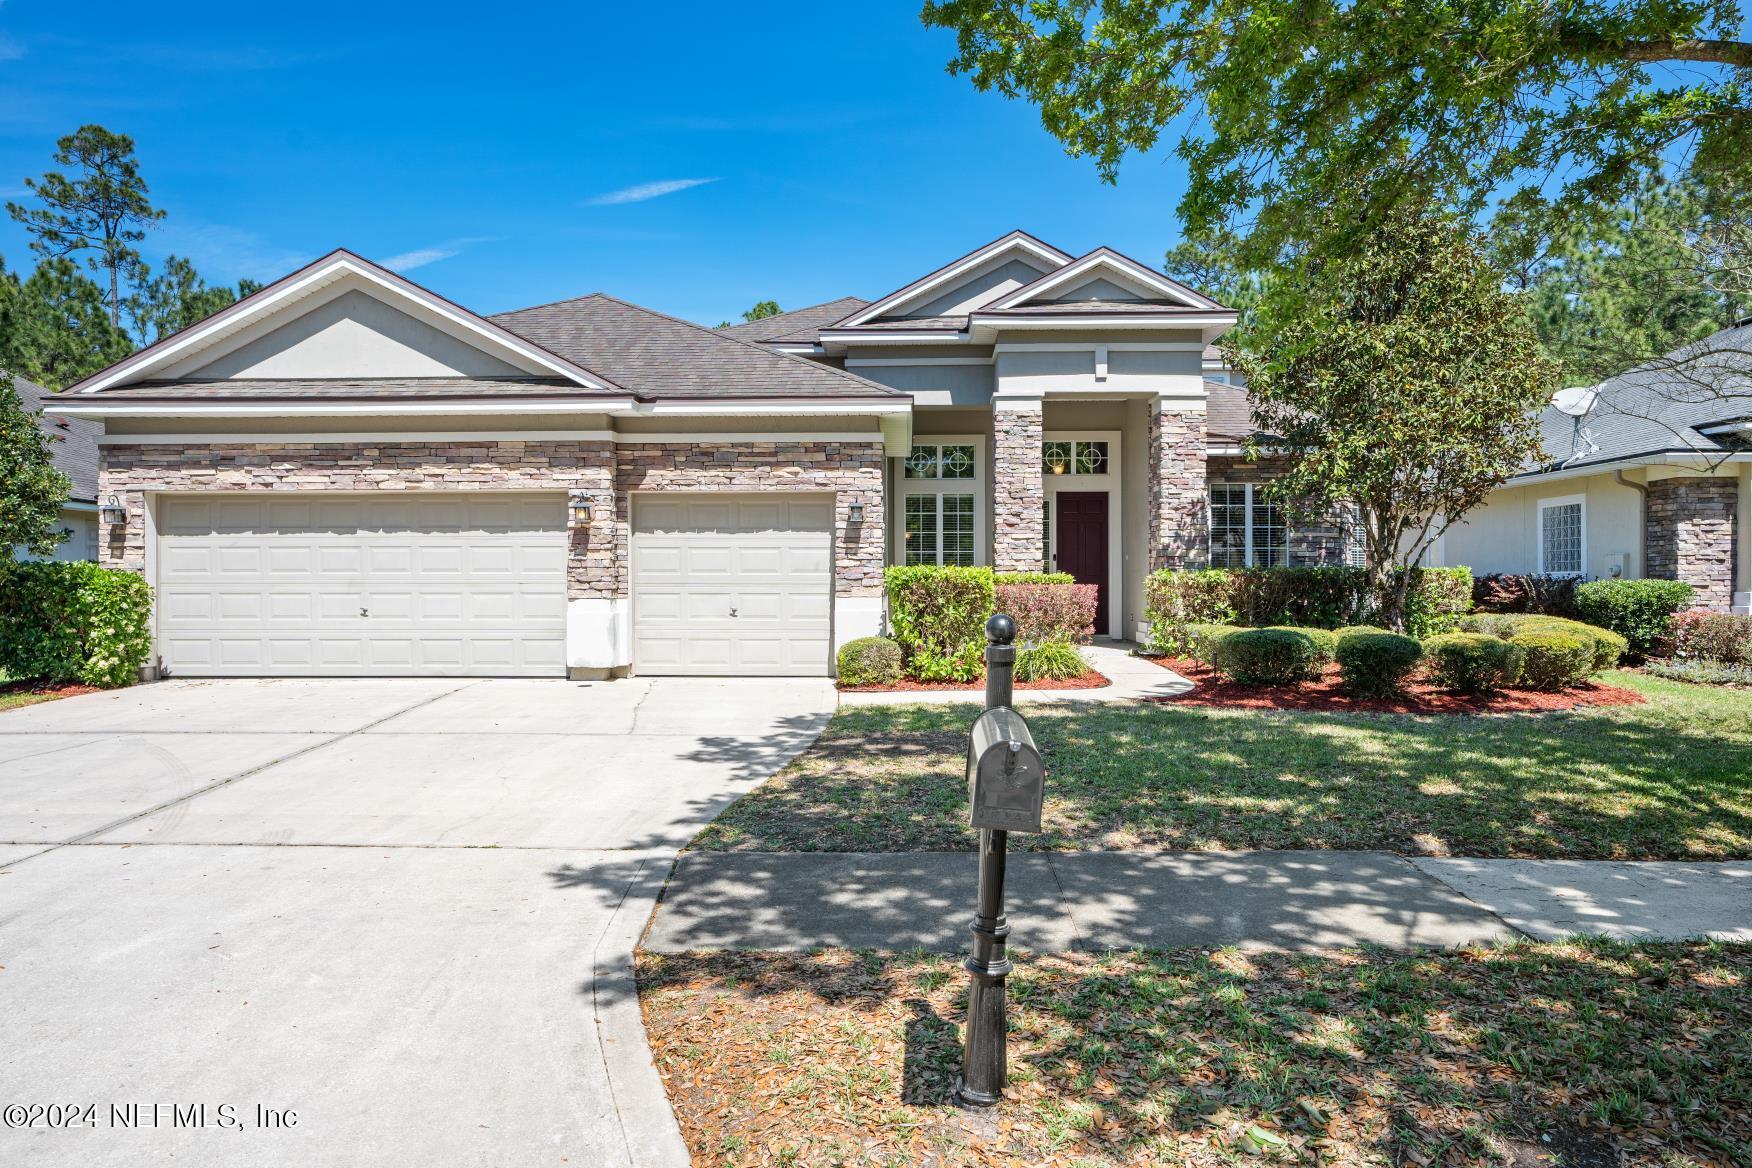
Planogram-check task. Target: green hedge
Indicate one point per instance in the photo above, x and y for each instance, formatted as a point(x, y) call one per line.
point(72, 621)
point(1326, 598)
point(937, 616)
point(1277, 656)
point(1325, 643)
point(1607, 645)
point(1473, 663)
point(1376, 664)
point(869, 661)
point(1637, 610)
point(1554, 661)
point(1001, 578)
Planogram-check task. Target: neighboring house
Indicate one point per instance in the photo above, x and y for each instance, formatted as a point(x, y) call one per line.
point(1647, 474)
point(347, 474)
point(73, 446)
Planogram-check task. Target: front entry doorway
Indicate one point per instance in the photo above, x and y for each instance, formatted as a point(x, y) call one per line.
point(1081, 520)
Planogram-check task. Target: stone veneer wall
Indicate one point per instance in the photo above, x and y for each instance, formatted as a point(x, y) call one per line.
point(1179, 531)
point(1312, 544)
point(1018, 488)
point(852, 470)
point(1690, 532)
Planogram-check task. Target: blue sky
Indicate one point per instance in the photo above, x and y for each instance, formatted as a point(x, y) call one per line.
point(694, 158)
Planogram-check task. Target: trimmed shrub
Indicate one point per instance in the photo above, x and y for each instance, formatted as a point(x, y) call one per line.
point(1202, 640)
point(1325, 598)
point(1637, 610)
point(1049, 612)
point(1438, 598)
point(1700, 672)
point(1554, 661)
point(1177, 600)
point(869, 661)
point(937, 616)
point(1608, 646)
point(1473, 663)
point(1377, 664)
point(1701, 635)
point(1266, 656)
point(1053, 661)
point(72, 621)
point(1325, 643)
point(1514, 592)
point(1003, 578)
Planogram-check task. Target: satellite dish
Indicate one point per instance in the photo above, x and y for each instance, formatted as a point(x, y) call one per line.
point(1575, 401)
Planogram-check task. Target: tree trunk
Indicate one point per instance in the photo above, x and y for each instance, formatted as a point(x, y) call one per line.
point(115, 297)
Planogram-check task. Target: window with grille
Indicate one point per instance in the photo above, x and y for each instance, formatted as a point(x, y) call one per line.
point(940, 504)
point(1074, 458)
point(1560, 536)
point(1248, 530)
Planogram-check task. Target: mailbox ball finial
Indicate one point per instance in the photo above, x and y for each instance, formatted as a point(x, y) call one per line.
point(1000, 630)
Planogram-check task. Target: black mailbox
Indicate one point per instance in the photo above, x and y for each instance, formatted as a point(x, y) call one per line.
point(1006, 781)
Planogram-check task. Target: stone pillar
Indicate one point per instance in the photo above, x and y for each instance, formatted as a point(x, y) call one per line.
point(1690, 529)
point(1018, 489)
point(1179, 532)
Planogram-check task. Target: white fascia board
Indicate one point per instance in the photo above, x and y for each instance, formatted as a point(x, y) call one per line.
point(250, 311)
point(809, 350)
point(768, 407)
point(982, 326)
point(1701, 460)
point(720, 437)
point(1128, 270)
point(959, 268)
point(99, 410)
point(887, 362)
point(892, 337)
point(1089, 346)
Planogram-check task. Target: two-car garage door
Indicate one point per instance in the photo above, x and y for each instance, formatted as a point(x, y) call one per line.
point(330, 584)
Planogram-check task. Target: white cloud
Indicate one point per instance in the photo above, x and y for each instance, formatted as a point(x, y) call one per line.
point(10, 49)
point(407, 261)
point(644, 191)
point(225, 254)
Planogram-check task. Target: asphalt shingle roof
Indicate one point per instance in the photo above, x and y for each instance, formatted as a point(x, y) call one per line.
point(660, 356)
point(799, 326)
point(72, 441)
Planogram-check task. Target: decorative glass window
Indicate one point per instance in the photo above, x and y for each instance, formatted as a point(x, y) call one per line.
point(1560, 536)
point(1248, 530)
point(940, 504)
point(940, 462)
point(1073, 458)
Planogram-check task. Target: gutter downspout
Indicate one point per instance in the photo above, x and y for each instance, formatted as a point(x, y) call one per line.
point(1642, 519)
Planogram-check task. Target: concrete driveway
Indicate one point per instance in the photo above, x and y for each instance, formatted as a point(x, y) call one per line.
point(402, 910)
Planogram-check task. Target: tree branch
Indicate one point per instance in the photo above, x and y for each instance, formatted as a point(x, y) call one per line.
point(1708, 52)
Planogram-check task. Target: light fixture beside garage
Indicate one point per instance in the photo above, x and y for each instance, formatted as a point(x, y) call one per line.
point(581, 508)
point(855, 514)
point(112, 511)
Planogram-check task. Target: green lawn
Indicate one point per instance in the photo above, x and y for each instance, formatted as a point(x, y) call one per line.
point(1666, 780)
point(1587, 1054)
point(14, 695)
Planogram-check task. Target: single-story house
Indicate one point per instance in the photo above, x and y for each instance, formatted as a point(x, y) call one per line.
point(1646, 474)
point(346, 473)
point(73, 449)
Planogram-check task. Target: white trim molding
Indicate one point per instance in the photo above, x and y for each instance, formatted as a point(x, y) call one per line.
point(720, 437)
point(1127, 270)
point(1110, 483)
point(979, 486)
point(967, 264)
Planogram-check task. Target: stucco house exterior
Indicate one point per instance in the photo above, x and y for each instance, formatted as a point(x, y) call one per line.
point(73, 449)
point(1647, 474)
point(345, 473)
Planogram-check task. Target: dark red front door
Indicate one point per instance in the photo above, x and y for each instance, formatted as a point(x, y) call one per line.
point(1081, 519)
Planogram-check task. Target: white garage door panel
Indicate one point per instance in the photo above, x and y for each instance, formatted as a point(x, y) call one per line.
point(732, 585)
point(440, 584)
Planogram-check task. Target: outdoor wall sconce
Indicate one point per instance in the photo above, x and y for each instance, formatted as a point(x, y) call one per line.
point(112, 511)
point(581, 510)
point(855, 514)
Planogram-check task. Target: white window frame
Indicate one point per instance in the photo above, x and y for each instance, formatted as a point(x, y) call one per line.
point(1581, 503)
point(977, 486)
point(1109, 482)
point(1247, 527)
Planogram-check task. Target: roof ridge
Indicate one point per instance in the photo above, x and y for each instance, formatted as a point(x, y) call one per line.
point(792, 312)
point(550, 304)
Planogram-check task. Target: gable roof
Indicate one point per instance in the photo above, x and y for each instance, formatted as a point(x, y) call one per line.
point(1089, 266)
point(798, 327)
point(1015, 241)
point(338, 266)
point(72, 441)
point(661, 356)
point(1664, 406)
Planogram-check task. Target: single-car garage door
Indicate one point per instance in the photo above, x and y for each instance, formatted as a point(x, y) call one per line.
point(732, 584)
point(326, 584)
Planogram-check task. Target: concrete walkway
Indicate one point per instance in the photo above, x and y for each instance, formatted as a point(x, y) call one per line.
point(1130, 677)
point(1295, 900)
point(404, 910)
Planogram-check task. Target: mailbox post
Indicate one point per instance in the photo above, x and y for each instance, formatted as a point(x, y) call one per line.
point(1005, 790)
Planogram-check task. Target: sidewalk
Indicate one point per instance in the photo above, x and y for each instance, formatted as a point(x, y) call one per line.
point(1130, 677)
point(1296, 900)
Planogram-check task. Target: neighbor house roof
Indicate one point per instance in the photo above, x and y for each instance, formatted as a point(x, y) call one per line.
point(72, 441)
point(660, 356)
point(799, 326)
point(1664, 406)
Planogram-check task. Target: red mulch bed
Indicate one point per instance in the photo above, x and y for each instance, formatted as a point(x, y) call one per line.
point(1089, 680)
point(1419, 698)
point(67, 689)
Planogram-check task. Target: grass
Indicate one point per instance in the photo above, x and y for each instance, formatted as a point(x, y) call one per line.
point(1669, 779)
point(17, 694)
point(1592, 1052)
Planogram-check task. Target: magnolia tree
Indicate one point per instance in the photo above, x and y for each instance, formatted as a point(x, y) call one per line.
point(1399, 385)
point(31, 489)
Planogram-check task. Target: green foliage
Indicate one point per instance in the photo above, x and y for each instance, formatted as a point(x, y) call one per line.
point(1554, 661)
point(1325, 642)
point(1376, 664)
point(1437, 599)
point(65, 621)
point(1267, 656)
point(1700, 635)
point(54, 327)
point(1301, 597)
point(869, 661)
point(1003, 578)
point(1637, 610)
point(102, 208)
point(1607, 646)
point(1052, 661)
point(1353, 630)
point(1176, 600)
point(1525, 592)
point(175, 299)
point(1049, 612)
point(1473, 663)
point(1403, 385)
point(938, 615)
point(31, 489)
point(1700, 672)
point(1277, 109)
point(1201, 641)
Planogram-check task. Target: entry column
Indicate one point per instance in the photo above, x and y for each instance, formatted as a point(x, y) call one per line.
point(1018, 488)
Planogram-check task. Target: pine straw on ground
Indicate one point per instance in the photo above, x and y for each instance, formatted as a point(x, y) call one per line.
point(1604, 1053)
